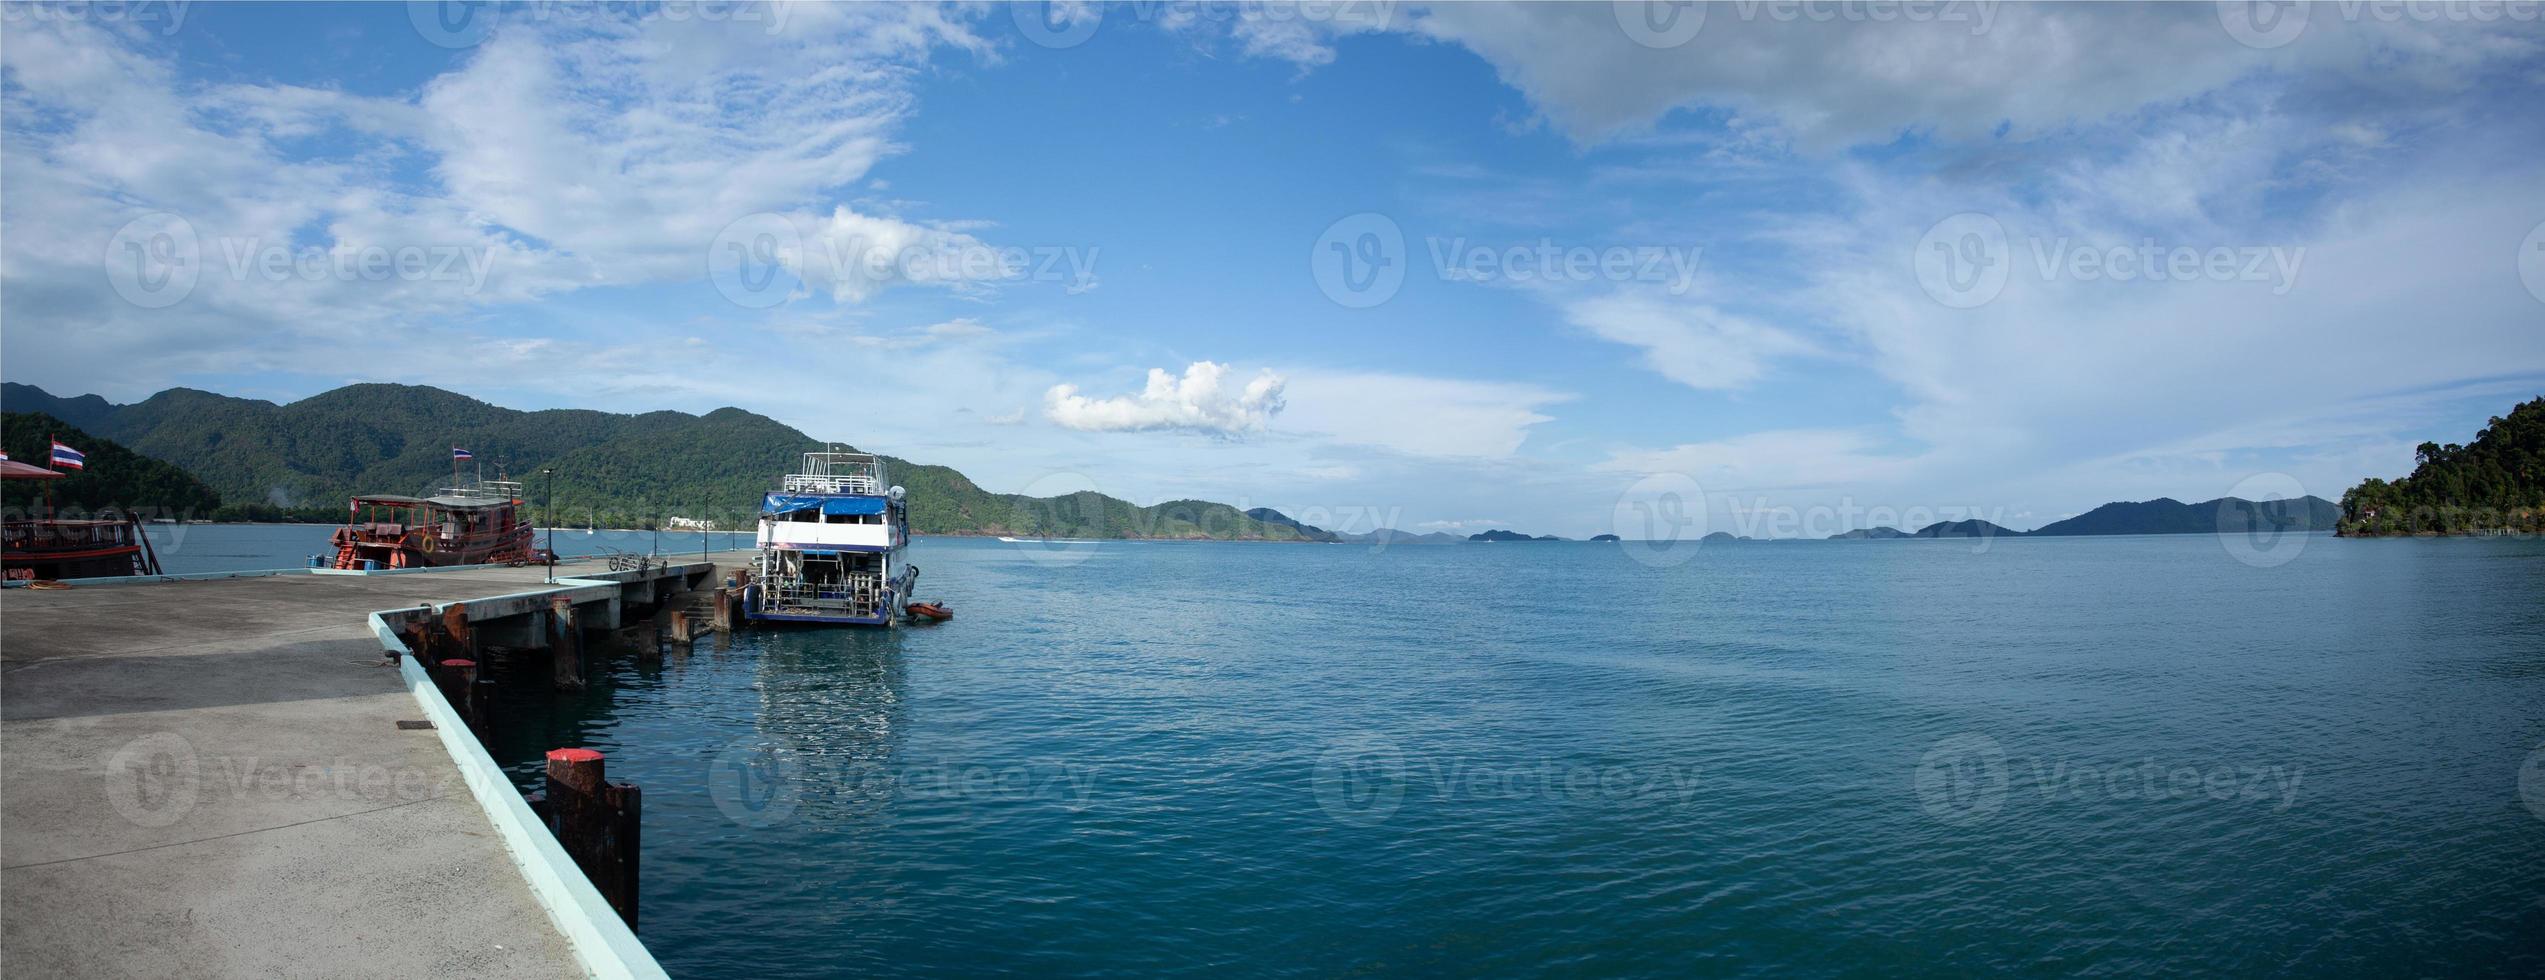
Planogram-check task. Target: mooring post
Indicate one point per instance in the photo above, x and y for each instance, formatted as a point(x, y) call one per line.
point(457, 680)
point(724, 610)
point(565, 642)
point(595, 822)
point(627, 804)
point(680, 626)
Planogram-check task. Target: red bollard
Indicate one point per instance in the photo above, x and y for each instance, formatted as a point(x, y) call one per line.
point(457, 680)
point(596, 823)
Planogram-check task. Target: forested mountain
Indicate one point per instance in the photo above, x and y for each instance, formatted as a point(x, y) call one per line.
point(2165, 515)
point(305, 458)
point(115, 476)
point(2496, 483)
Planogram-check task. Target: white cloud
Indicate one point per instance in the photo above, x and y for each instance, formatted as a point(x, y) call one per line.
point(1831, 76)
point(1416, 415)
point(1201, 401)
point(1688, 342)
point(556, 156)
point(855, 256)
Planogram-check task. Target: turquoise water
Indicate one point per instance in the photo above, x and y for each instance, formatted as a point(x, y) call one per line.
point(2058, 755)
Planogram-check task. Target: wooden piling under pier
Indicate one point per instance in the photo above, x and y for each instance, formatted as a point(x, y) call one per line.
point(211, 777)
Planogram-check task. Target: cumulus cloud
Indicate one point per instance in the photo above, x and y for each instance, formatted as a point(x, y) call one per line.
point(1202, 400)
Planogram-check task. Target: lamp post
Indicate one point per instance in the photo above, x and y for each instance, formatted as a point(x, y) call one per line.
point(550, 505)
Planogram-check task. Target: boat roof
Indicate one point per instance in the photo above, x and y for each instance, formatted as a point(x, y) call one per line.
point(442, 501)
point(14, 470)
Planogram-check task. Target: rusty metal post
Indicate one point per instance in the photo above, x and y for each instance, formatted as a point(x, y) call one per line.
point(593, 821)
point(565, 644)
point(680, 626)
point(627, 804)
point(457, 680)
point(455, 623)
point(724, 610)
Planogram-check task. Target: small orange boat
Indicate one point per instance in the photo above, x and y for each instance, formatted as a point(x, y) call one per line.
point(928, 611)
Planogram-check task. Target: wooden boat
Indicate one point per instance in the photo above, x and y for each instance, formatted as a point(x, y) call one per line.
point(479, 524)
point(51, 547)
point(927, 612)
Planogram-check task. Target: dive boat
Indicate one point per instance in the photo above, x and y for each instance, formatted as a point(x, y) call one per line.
point(476, 524)
point(831, 540)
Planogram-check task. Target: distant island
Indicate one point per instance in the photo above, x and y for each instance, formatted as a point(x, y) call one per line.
point(2495, 485)
point(1502, 535)
point(2163, 515)
point(1605, 537)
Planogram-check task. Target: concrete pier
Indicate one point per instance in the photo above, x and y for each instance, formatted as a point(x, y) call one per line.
point(211, 778)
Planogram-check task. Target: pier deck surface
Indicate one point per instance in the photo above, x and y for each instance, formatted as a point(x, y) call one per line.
point(306, 835)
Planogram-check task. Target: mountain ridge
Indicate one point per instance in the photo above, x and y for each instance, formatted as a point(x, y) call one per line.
point(303, 459)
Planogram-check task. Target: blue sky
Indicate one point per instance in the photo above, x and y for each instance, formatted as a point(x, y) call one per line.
point(1823, 266)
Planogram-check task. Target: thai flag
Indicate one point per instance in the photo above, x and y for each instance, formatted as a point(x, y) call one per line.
point(67, 456)
point(458, 453)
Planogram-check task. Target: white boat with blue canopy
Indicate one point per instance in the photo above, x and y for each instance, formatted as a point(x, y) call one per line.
point(831, 541)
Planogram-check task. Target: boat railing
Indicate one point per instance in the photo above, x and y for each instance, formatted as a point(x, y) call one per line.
point(857, 594)
point(837, 473)
point(65, 535)
point(485, 490)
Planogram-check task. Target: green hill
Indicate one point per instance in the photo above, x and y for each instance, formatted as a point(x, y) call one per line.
point(2496, 483)
point(116, 477)
point(2165, 515)
point(303, 459)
